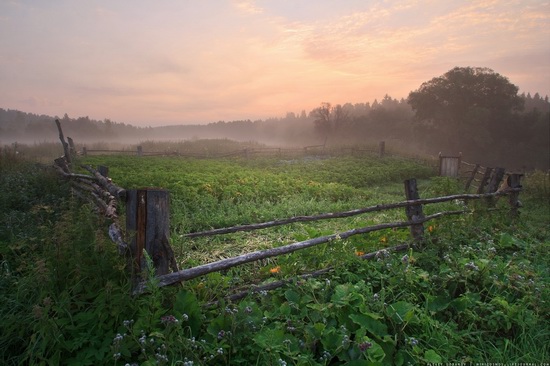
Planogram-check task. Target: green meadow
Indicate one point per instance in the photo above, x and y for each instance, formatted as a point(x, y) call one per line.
point(477, 291)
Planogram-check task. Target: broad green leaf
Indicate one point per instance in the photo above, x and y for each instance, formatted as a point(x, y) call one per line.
point(438, 303)
point(341, 295)
point(374, 326)
point(401, 311)
point(292, 296)
point(186, 303)
point(432, 356)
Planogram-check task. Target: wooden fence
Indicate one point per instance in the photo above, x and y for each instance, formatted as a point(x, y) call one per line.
point(147, 223)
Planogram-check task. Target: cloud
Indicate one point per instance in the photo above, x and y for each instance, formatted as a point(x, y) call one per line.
point(248, 6)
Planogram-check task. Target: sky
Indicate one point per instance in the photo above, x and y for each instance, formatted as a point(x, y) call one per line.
point(165, 62)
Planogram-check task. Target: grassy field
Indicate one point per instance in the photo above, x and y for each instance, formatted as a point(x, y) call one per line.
point(477, 292)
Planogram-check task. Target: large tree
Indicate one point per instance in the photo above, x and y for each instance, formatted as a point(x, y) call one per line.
point(465, 108)
point(330, 119)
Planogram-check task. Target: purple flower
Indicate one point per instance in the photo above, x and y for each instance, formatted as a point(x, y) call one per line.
point(364, 346)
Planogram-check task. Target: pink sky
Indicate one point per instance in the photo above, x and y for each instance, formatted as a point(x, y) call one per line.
point(181, 61)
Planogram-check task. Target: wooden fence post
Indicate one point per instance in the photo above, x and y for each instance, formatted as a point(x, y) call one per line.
point(103, 170)
point(72, 149)
point(148, 222)
point(471, 179)
point(492, 187)
point(382, 149)
point(63, 142)
point(414, 212)
point(514, 181)
point(484, 180)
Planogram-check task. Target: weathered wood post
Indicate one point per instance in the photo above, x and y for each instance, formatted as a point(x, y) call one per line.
point(494, 183)
point(484, 180)
point(471, 179)
point(103, 170)
point(140, 150)
point(382, 149)
point(414, 212)
point(514, 181)
point(63, 142)
point(72, 149)
point(148, 223)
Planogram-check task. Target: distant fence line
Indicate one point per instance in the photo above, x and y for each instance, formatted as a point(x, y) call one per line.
point(380, 151)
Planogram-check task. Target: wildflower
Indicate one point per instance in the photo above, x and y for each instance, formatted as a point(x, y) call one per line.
point(143, 339)
point(431, 228)
point(382, 254)
point(220, 351)
point(376, 297)
point(345, 340)
point(405, 259)
point(326, 356)
point(118, 338)
point(359, 253)
point(412, 341)
point(185, 317)
point(471, 266)
point(281, 362)
point(128, 323)
point(364, 346)
point(221, 334)
point(248, 310)
point(275, 269)
point(383, 239)
point(169, 320)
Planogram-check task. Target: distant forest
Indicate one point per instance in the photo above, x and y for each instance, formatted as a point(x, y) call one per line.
point(522, 141)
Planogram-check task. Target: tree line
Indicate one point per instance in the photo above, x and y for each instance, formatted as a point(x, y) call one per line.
point(468, 109)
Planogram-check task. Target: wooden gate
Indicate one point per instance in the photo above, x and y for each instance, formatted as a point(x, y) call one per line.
point(449, 166)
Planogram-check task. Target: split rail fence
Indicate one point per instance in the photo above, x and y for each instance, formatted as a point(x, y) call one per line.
point(147, 223)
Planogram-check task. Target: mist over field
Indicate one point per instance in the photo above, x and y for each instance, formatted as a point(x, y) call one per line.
point(515, 139)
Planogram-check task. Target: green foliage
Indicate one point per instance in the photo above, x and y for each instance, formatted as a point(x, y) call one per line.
point(477, 292)
point(537, 186)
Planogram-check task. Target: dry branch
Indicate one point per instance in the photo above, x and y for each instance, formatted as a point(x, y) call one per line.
point(63, 142)
point(336, 215)
point(113, 189)
point(116, 236)
point(201, 270)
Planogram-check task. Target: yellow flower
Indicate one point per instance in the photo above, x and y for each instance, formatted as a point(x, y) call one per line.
point(383, 239)
point(275, 269)
point(431, 228)
point(359, 253)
